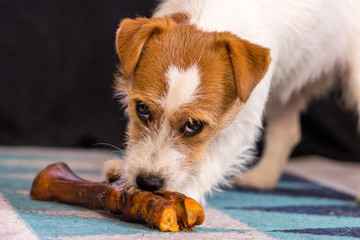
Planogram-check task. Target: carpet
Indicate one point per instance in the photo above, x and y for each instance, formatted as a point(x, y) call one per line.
point(297, 209)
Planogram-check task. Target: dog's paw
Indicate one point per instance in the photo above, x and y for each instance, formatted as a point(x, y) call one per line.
point(113, 170)
point(258, 177)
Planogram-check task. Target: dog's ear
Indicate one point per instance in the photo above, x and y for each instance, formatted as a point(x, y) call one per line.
point(131, 37)
point(249, 61)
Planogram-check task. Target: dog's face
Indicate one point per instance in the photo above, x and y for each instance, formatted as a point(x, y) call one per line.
point(181, 87)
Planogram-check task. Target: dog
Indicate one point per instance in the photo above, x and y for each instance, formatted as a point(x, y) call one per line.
point(198, 78)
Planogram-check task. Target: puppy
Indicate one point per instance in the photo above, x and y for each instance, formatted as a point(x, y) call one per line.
point(198, 78)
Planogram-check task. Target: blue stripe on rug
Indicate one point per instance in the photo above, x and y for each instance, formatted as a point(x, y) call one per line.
point(297, 185)
point(313, 192)
point(331, 210)
point(238, 199)
point(5, 156)
point(347, 231)
point(303, 236)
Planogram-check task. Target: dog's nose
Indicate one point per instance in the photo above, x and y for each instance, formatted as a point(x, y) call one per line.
point(149, 182)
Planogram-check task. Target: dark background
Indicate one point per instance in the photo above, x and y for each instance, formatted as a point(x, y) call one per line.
point(57, 61)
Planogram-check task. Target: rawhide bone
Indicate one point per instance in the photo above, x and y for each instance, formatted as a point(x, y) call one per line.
point(168, 211)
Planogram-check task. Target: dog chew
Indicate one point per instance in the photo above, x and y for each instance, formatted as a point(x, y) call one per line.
point(168, 211)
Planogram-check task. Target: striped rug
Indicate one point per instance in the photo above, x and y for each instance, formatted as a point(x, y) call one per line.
point(313, 200)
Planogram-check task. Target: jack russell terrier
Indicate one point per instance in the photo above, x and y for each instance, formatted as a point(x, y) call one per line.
point(198, 78)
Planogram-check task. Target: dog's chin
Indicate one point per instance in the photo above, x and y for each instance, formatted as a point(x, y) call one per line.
point(176, 182)
point(188, 188)
point(184, 182)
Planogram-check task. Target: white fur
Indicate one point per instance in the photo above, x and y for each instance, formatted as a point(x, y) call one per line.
point(182, 87)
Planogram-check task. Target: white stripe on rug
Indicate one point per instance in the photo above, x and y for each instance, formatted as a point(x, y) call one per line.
point(215, 220)
point(31, 176)
point(341, 176)
point(12, 227)
point(63, 153)
point(175, 236)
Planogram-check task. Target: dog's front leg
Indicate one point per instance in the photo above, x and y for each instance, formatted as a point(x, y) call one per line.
point(282, 134)
point(113, 169)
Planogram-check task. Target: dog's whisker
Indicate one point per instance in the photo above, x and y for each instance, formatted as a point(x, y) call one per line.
point(111, 145)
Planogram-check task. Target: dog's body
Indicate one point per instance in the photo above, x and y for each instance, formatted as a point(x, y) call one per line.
point(178, 69)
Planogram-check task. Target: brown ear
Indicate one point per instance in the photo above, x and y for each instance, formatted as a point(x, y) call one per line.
point(249, 61)
point(131, 36)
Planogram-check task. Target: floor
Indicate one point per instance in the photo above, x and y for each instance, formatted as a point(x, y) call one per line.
point(313, 200)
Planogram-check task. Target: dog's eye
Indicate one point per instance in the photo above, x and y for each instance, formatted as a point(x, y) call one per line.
point(143, 112)
point(192, 128)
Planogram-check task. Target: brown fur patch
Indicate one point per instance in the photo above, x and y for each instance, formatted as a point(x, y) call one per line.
point(250, 62)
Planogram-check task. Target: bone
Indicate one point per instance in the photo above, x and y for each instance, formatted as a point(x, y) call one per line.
point(168, 211)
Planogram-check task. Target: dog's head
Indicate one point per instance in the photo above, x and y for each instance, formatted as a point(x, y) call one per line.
point(181, 87)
